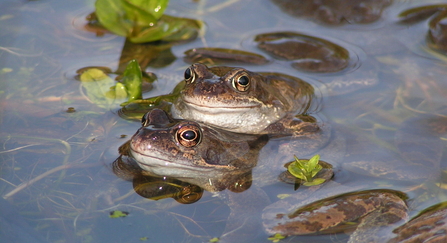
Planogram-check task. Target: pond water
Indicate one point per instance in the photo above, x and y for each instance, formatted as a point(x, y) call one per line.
point(58, 144)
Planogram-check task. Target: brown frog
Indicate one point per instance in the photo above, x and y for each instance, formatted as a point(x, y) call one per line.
point(237, 100)
point(184, 149)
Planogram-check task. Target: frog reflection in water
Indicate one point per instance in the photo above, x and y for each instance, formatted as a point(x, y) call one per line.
point(208, 157)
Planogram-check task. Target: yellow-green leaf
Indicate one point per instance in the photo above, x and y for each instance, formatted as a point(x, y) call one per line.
point(118, 214)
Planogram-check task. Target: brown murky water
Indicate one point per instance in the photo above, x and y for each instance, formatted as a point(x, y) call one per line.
point(52, 159)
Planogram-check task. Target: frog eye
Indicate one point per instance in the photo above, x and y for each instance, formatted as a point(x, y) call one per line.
point(190, 76)
point(189, 135)
point(241, 83)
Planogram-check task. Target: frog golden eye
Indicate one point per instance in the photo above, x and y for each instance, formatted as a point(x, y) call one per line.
point(241, 83)
point(189, 75)
point(189, 135)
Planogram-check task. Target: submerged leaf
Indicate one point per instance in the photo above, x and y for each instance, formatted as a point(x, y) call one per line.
point(118, 214)
point(314, 182)
point(282, 196)
point(93, 74)
point(99, 87)
point(276, 238)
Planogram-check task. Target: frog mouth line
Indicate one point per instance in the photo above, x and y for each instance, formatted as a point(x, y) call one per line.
point(202, 107)
point(158, 162)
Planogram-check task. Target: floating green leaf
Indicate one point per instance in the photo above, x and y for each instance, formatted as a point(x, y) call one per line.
point(155, 7)
point(213, 240)
point(276, 238)
point(143, 20)
point(124, 16)
point(168, 28)
point(306, 170)
point(118, 214)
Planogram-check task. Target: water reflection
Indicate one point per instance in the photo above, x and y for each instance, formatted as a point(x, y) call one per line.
point(429, 224)
point(155, 187)
point(213, 56)
point(308, 53)
point(336, 12)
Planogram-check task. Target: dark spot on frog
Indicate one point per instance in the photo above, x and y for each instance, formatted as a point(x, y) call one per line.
point(212, 157)
point(317, 226)
point(173, 151)
point(439, 223)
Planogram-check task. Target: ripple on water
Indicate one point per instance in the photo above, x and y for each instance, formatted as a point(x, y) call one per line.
point(306, 52)
point(85, 31)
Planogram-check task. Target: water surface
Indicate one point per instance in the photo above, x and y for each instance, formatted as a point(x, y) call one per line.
point(51, 159)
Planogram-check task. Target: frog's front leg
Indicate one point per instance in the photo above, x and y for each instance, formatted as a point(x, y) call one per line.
point(298, 126)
